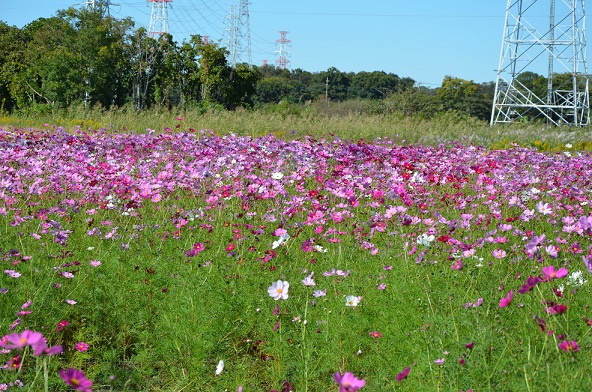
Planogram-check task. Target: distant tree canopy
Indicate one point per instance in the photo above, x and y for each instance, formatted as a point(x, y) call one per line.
point(81, 57)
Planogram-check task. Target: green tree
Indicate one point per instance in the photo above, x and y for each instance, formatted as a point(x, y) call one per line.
point(11, 44)
point(535, 83)
point(464, 97)
point(213, 73)
point(377, 85)
point(272, 89)
point(100, 44)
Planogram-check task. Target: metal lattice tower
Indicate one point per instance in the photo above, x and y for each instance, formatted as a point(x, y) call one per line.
point(282, 60)
point(238, 31)
point(98, 5)
point(159, 19)
point(555, 47)
point(244, 28)
point(232, 32)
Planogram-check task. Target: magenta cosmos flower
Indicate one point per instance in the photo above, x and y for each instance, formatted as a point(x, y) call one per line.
point(507, 299)
point(348, 382)
point(568, 345)
point(549, 272)
point(401, 376)
point(279, 290)
point(27, 338)
point(76, 379)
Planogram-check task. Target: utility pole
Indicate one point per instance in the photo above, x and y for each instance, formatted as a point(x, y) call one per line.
point(532, 44)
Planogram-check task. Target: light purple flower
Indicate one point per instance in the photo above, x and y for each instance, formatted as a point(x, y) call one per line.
point(319, 293)
point(309, 281)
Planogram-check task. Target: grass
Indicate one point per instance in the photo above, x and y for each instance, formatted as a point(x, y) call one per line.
point(158, 318)
point(347, 120)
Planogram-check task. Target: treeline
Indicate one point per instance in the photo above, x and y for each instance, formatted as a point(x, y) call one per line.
point(80, 57)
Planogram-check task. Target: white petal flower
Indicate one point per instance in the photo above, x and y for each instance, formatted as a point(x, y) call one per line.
point(279, 290)
point(220, 367)
point(351, 300)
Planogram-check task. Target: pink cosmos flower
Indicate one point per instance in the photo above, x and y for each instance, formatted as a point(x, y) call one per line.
point(76, 379)
point(348, 382)
point(27, 338)
point(62, 324)
point(81, 346)
point(499, 253)
point(375, 334)
point(457, 265)
point(507, 299)
point(279, 290)
point(569, 346)
point(42, 348)
point(403, 374)
point(549, 272)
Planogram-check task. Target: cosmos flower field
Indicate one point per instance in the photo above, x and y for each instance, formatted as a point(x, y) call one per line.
point(191, 261)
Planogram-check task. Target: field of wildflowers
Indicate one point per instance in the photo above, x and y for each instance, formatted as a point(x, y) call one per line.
point(190, 261)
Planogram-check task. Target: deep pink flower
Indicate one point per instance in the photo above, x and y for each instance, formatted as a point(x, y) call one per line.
point(550, 273)
point(403, 374)
point(76, 379)
point(507, 299)
point(81, 346)
point(62, 324)
point(348, 382)
point(375, 334)
point(568, 346)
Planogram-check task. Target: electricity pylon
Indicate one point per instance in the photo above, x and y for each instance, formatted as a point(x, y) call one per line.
point(159, 18)
point(555, 46)
point(283, 61)
point(98, 5)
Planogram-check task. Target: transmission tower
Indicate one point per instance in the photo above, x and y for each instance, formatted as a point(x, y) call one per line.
point(555, 47)
point(283, 42)
point(239, 31)
point(99, 5)
point(233, 36)
point(159, 19)
point(244, 28)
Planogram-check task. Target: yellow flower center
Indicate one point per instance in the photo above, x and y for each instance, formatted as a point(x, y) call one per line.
point(279, 291)
point(75, 381)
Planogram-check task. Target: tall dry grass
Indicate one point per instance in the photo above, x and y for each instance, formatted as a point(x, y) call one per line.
point(348, 120)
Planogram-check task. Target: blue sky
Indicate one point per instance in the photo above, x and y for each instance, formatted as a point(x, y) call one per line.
point(422, 39)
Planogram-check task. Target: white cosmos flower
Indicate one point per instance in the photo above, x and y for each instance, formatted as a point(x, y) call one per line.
point(351, 300)
point(425, 240)
point(220, 367)
point(279, 290)
point(281, 240)
point(277, 175)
